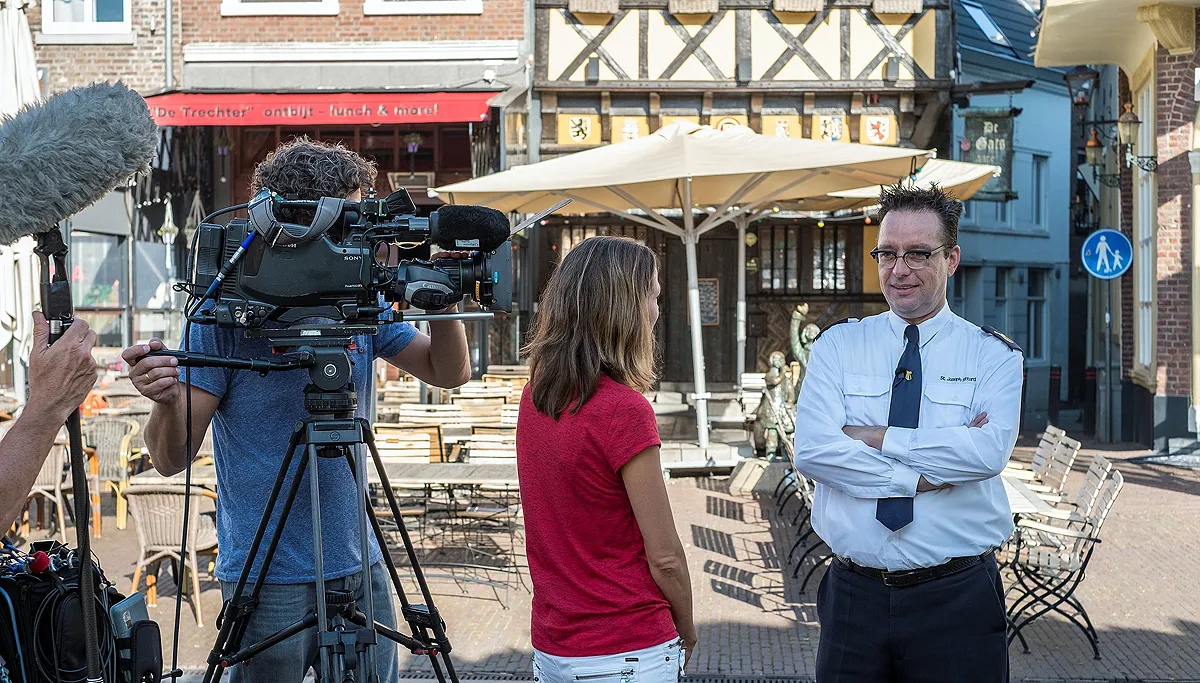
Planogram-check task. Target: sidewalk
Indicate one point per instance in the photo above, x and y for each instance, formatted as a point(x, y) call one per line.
point(1142, 591)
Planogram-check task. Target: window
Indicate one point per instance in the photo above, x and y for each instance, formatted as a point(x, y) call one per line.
point(795, 259)
point(88, 17)
point(780, 246)
point(1144, 223)
point(828, 259)
point(958, 292)
point(1000, 300)
point(267, 8)
point(984, 21)
point(423, 7)
point(968, 211)
point(1002, 213)
point(99, 284)
point(1035, 312)
point(1038, 191)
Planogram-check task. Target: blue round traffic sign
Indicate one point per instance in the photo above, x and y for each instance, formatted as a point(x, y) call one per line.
point(1107, 254)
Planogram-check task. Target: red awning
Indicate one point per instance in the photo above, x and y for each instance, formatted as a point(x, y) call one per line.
point(292, 109)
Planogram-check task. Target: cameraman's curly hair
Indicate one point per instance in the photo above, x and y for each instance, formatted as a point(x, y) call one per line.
point(308, 169)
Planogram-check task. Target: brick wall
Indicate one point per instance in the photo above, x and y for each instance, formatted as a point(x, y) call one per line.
point(1176, 110)
point(501, 20)
point(140, 65)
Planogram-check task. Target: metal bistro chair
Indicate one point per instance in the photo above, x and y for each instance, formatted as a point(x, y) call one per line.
point(1051, 562)
point(157, 513)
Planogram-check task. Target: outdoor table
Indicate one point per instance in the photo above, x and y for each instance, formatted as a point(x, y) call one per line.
point(202, 475)
point(434, 474)
point(446, 474)
point(1022, 499)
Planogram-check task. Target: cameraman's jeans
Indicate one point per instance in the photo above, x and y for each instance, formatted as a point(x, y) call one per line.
point(659, 664)
point(281, 605)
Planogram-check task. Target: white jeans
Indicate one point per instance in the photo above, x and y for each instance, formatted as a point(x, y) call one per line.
point(659, 664)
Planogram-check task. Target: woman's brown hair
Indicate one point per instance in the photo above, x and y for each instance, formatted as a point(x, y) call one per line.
point(593, 319)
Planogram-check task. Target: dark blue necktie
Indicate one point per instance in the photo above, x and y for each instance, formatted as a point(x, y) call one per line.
point(896, 513)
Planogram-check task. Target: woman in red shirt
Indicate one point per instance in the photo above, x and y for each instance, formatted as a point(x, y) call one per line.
point(612, 598)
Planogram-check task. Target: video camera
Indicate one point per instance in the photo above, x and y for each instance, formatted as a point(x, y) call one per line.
point(266, 269)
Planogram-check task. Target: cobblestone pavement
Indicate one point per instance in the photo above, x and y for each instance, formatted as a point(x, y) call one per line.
point(1142, 591)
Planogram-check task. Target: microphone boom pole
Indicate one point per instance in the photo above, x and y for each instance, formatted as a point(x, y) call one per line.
point(58, 309)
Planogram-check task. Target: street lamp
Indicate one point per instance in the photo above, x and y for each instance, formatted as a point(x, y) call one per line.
point(1081, 83)
point(1127, 131)
point(1094, 151)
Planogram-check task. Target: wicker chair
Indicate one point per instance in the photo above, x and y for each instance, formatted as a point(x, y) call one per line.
point(51, 486)
point(112, 438)
point(157, 513)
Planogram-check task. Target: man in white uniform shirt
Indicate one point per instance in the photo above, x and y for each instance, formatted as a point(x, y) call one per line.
point(905, 421)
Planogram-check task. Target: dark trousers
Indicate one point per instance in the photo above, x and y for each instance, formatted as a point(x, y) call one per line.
point(949, 630)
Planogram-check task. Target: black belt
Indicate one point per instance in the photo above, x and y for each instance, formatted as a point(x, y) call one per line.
point(912, 577)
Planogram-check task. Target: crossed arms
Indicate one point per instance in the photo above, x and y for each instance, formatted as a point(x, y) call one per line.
point(868, 461)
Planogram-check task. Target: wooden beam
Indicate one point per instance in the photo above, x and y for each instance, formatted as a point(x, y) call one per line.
point(643, 44)
point(877, 86)
point(928, 123)
point(692, 45)
point(907, 26)
point(541, 21)
point(594, 44)
point(892, 44)
point(795, 45)
point(736, 4)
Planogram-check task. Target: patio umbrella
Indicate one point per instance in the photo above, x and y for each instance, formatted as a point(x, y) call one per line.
point(731, 172)
point(959, 179)
point(18, 75)
point(18, 269)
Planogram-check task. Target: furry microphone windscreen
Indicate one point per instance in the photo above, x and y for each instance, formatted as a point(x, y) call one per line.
point(459, 226)
point(60, 156)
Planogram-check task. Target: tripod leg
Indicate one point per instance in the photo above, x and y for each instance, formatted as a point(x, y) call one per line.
point(359, 471)
point(391, 566)
point(233, 625)
point(314, 491)
point(435, 619)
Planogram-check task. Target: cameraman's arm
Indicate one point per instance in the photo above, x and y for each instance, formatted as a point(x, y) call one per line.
point(60, 375)
point(157, 378)
point(440, 358)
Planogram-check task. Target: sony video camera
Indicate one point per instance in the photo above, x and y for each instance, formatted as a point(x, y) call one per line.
point(266, 268)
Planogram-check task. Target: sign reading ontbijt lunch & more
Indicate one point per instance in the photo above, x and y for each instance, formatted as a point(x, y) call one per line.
point(988, 139)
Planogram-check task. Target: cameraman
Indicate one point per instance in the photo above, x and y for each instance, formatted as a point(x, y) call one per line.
point(252, 419)
point(60, 376)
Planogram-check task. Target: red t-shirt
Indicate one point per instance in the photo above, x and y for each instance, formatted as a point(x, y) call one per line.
point(592, 589)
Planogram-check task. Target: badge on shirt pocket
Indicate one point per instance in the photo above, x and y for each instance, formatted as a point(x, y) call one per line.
point(866, 399)
point(953, 401)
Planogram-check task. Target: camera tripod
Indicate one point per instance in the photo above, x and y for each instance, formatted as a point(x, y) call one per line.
point(346, 636)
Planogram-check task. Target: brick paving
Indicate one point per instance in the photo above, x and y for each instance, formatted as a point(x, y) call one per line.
point(1142, 591)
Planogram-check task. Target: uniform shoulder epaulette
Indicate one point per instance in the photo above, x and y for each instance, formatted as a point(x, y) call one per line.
point(834, 324)
point(1002, 337)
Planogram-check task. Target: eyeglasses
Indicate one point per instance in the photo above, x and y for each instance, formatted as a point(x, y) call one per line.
point(915, 259)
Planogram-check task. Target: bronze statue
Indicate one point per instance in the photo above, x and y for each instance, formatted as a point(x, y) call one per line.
point(773, 418)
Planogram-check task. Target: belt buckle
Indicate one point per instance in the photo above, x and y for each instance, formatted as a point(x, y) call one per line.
point(889, 579)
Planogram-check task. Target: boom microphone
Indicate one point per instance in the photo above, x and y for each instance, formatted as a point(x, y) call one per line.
point(468, 227)
point(60, 156)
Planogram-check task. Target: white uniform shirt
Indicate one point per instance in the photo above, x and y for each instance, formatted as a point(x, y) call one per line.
point(965, 371)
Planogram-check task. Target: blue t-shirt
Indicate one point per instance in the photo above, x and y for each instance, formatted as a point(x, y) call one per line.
point(251, 431)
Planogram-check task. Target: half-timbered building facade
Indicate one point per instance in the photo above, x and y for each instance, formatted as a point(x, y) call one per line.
point(877, 72)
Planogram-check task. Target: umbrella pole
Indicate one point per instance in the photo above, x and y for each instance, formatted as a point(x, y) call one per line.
point(742, 222)
point(689, 244)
